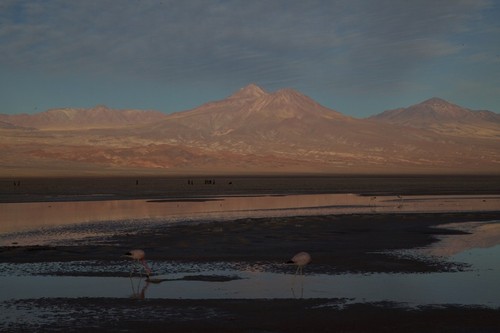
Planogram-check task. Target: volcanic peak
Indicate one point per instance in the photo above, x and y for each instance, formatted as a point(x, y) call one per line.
point(250, 91)
point(436, 101)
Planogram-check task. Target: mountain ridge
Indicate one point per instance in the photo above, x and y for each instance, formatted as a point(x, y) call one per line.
point(256, 131)
point(250, 91)
point(99, 116)
point(255, 100)
point(443, 117)
point(245, 112)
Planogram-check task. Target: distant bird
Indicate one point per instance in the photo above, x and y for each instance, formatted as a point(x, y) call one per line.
point(139, 256)
point(400, 197)
point(300, 259)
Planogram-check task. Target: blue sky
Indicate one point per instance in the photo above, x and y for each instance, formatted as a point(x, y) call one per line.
point(360, 57)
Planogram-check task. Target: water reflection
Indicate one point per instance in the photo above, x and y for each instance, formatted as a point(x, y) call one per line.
point(23, 216)
point(18, 217)
point(298, 288)
point(139, 287)
point(467, 288)
point(477, 286)
point(480, 249)
point(478, 235)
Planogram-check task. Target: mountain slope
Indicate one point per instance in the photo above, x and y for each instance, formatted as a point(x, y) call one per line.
point(6, 125)
point(288, 125)
point(70, 118)
point(250, 91)
point(249, 112)
point(443, 117)
point(257, 131)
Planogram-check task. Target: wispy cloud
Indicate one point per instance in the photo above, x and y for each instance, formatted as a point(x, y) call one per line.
point(301, 43)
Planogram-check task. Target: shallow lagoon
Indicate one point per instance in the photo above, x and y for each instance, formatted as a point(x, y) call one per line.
point(37, 223)
point(478, 285)
point(61, 222)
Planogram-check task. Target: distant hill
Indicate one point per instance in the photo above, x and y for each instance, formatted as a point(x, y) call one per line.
point(70, 118)
point(4, 124)
point(443, 117)
point(255, 131)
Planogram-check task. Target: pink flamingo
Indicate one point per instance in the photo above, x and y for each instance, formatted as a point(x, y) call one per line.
point(300, 259)
point(139, 256)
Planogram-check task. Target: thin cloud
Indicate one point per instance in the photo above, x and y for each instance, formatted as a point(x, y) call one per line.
point(303, 44)
point(81, 32)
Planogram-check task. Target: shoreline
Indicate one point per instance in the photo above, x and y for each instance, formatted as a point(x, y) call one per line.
point(118, 188)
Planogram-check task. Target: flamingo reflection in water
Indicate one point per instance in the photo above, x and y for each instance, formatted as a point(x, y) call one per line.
point(139, 258)
point(137, 291)
point(301, 259)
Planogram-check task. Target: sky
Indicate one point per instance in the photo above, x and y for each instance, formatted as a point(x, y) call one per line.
point(359, 57)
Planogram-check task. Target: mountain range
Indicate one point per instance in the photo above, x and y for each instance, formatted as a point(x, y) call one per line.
point(252, 131)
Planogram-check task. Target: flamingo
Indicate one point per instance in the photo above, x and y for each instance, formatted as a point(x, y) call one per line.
point(139, 256)
point(300, 259)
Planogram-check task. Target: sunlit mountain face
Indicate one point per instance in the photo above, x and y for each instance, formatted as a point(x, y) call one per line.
point(253, 131)
point(443, 117)
point(72, 118)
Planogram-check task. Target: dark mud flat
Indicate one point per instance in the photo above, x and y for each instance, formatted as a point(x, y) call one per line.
point(319, 315)
point(110, 188)
point(338, 243)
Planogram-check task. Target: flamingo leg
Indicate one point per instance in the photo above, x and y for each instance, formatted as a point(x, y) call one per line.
point(300, 272)
point(295, 277)
point(146, 267)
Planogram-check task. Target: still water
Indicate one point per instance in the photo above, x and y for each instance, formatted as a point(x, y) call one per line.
point(477, 286)
point(480, 249)
point(20, 222)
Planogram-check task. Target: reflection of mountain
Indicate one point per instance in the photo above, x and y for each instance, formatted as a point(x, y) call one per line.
point(254, 131)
